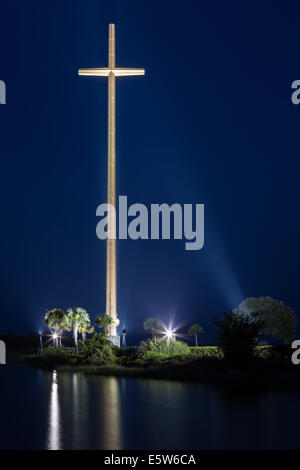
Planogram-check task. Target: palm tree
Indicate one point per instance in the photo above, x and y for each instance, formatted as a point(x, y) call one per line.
point(75, 318)
point(195, 330)
point(84, 328)
point(106, 322)
point(153, 324)
point(54, 319)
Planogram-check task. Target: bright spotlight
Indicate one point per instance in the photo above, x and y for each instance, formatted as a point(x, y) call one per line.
point(55, 336)
point(169, 334)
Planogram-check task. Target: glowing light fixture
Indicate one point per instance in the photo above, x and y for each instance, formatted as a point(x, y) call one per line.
point(55, 338)
point(169, 334)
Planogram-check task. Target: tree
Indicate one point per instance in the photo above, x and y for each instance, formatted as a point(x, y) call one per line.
point(84, 328)
point(75, 319)
point(195, 330)
point(54, 319)
point(238, 336)
point(277, 319)
point(106, 322)
point(153, 324)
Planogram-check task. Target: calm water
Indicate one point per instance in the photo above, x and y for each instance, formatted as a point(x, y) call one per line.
point(43, 410)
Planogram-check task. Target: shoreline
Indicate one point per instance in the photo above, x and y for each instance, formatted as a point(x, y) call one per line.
point(257, 377)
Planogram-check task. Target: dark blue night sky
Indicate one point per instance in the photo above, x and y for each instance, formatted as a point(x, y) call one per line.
point(211, 122)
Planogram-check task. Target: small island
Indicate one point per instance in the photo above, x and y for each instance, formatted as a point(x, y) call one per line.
point(238, 361)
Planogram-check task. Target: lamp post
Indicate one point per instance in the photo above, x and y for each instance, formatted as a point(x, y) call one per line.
point(41, 344)
point(124, 331)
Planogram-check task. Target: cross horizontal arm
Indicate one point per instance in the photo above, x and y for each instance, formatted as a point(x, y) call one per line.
point(117, 71)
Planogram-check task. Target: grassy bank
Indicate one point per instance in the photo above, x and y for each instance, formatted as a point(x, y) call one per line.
point(270, 369)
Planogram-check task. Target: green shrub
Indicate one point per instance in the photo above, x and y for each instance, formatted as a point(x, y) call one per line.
point(238, 336)
point(263, 352)
point(126, 357)
point(154, 356)
point(103, 357)
point(206, 352)
point(274, 352)
point(97, 350)
point(177, 348)
point(162, 347)
point(53, 356)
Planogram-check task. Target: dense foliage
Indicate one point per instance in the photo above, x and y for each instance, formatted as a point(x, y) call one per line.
point(238, 336)
point(54, 356)
point(200, 352)
point(162, 346)
point(96, 351)
point(277, 319)
point(107, 322)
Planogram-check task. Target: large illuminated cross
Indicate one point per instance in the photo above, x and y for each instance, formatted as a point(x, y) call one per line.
point(111, 72)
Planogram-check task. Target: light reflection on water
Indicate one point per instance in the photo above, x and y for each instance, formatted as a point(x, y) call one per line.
point(75, 411)
point(54, 437)
point(110, 415)
point(79, 411)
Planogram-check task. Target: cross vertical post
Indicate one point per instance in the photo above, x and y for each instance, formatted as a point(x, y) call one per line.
point(111, 267)
point(111, 72)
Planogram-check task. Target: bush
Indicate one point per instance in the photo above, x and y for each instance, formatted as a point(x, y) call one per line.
point(103, 357)
point(206, 351)
point(238, 336)
point(126, 357)
point(97, 351)
point(53, 356)
point(264, 352)
point(153, 358)
point(274, 352)
point(177, 348)
point(163, 348)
